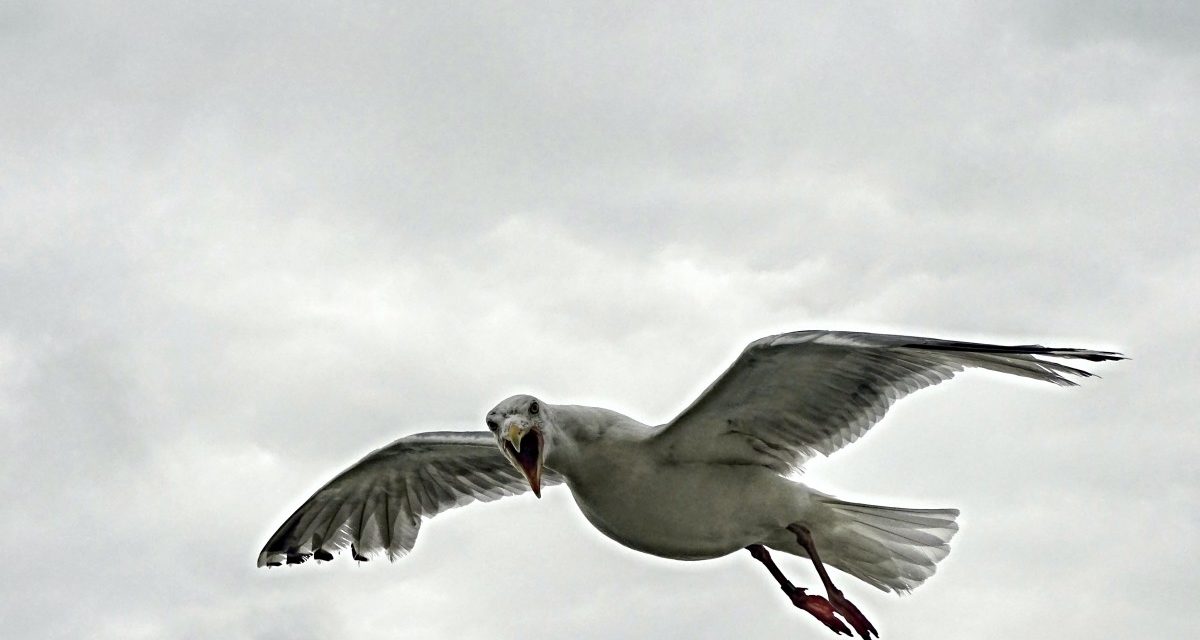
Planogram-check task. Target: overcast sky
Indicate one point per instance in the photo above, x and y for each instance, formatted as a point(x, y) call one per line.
point(242, 245)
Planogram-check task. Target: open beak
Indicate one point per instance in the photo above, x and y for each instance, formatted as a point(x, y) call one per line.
point(524, 447)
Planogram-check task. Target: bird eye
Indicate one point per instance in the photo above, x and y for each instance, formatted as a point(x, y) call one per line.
point(492, 425)
point(533, 408)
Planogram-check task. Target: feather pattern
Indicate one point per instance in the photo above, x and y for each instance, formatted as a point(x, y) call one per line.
point(791, 396)
point(375, 507)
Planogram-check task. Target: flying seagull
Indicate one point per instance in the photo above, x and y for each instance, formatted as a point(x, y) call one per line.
point(706, 484)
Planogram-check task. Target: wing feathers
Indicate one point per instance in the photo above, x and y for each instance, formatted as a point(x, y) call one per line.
point(796, 394)
point(376, 506)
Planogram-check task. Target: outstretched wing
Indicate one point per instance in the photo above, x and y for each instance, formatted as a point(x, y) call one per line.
point(376, 506)
point(790, 396)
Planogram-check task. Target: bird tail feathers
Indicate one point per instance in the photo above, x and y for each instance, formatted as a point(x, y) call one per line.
point(890, 548)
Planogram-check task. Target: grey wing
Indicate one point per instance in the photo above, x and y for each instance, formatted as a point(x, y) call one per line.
point(376, 506)
point(791, 396)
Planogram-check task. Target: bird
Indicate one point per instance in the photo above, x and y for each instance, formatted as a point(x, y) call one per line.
point(717, 479)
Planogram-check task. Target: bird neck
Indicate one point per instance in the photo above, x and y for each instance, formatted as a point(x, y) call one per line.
point(579, 437)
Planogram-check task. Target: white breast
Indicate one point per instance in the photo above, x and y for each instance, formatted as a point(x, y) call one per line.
point(685, 512)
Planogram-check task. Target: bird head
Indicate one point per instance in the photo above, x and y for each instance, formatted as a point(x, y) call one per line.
point(519, 426)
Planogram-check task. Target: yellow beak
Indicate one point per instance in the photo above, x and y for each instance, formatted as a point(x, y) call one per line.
point(514, 436)
point(529, 461)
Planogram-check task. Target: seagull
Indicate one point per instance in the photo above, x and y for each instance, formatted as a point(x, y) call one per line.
point(717, 479)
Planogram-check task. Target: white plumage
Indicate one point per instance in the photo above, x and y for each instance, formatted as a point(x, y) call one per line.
point(710, 482)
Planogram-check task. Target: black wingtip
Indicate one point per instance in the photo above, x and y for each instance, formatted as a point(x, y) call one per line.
point(356, 555)
point(1104, 356)
point(294, 557)
point(323, 555)
point(1020, 349)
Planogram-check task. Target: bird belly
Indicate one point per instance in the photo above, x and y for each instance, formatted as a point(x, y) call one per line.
point(688, 511)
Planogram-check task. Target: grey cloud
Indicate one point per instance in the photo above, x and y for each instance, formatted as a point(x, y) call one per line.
point(1164, 26)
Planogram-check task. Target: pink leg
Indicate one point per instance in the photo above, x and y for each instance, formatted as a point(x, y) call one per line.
point(816, 605)
point(836, 599)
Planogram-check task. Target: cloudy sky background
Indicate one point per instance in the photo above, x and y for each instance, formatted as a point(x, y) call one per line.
point(241, 246)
